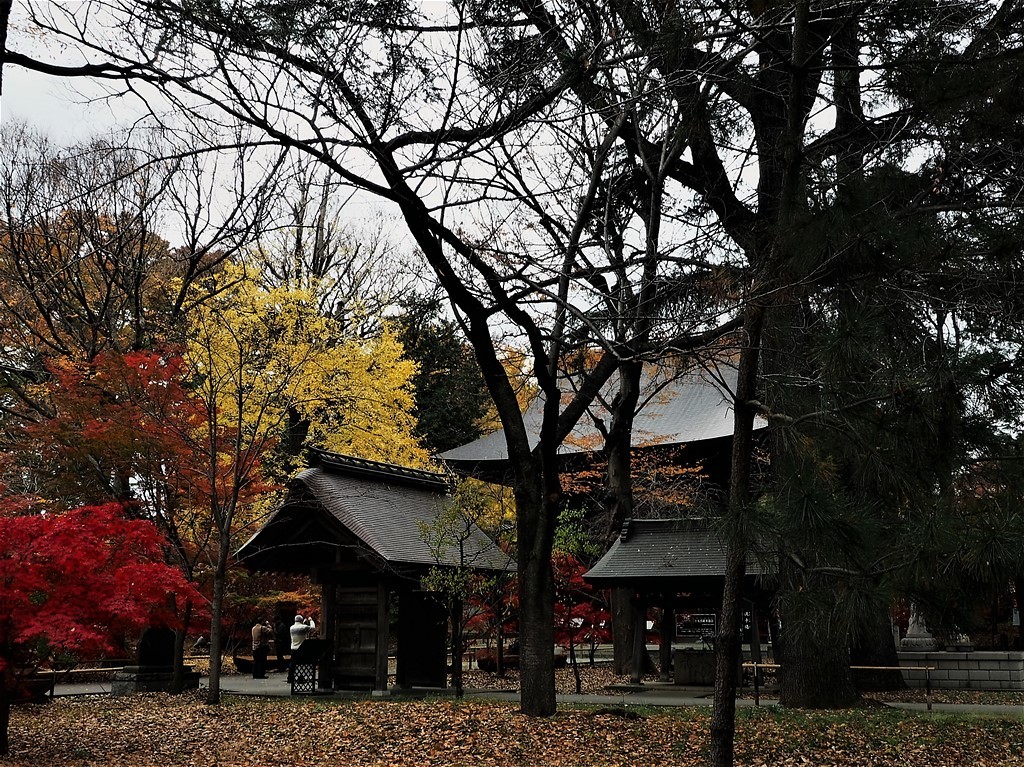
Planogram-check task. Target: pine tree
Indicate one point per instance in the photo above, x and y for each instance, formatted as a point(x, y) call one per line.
point(451, 398)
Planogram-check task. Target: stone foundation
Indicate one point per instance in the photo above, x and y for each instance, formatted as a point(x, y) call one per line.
point(694, 668)
point(981, 670)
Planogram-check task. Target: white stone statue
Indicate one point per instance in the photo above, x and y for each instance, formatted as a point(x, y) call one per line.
point(918, 638)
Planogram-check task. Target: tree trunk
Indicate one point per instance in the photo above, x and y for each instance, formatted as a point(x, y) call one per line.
point(217, 610)
point(625, 613)
point(727, 653)
point(456, 618)
point(875, 646)
point(501, 645)
point(178, 679)
point(621, 604)
point(619, 495)
point(536, 637)
point(815, 670)
point(535, 525)
point(727, 644)
point(618, 447)
point(575, 665)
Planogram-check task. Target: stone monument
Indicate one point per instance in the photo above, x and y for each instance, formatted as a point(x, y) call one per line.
point(155, 669)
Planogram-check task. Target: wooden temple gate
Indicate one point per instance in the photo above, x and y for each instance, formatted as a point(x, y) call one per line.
point(356, 528)
point(673, 564)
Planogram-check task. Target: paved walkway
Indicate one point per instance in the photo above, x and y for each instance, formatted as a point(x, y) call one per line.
point(651, 694)
point(276, 685)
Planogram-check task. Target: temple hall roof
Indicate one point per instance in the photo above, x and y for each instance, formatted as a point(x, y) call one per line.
point(345, 508)
point(672, 550)
point(674, 409)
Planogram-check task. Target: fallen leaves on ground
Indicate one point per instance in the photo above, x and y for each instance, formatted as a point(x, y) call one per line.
point(973, 697)
point(158, 729)
point(593, 680)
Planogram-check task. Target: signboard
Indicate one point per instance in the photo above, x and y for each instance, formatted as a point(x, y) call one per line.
point(696, 625)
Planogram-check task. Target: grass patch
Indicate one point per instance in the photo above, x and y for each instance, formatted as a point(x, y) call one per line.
point(878, 735)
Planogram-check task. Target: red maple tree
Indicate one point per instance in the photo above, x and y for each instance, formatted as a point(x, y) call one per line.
point(581, 618)
point(111, 427)
point(132, 427)
point(73, 583)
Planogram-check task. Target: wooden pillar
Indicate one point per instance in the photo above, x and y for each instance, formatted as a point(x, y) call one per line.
point(621, 605)
point(755, 639)
point(380, 684)
point(667, 632)
point(405, 606)
point(639, 647)
point(328, 630)
point(755, 633)
point(775, 637)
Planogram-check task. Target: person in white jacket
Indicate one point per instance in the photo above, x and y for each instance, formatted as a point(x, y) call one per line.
point(298, 632)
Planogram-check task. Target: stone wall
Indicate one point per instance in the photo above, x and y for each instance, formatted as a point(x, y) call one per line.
point(981, 670)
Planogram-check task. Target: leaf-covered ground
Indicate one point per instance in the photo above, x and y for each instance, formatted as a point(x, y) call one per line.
point(157, 729)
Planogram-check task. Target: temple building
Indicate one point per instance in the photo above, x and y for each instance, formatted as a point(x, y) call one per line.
point(363, 531)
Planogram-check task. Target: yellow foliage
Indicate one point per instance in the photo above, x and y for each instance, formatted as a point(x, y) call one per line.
point(365, 403)
point(491, 507)
point(266, 356)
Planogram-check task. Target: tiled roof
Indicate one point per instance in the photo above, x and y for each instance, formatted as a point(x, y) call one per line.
point(692, 407)
point(387, 510)
point(651, 549)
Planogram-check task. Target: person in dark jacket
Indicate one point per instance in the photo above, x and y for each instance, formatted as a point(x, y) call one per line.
point(262, 633)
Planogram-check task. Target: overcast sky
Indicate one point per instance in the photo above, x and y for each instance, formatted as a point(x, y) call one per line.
point(59, 107)
point(52, 105)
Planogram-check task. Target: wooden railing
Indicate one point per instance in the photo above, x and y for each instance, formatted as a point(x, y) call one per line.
point(55, 675)
point(926, 669)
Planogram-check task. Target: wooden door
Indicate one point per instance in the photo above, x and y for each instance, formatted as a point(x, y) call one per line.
point(356, 638)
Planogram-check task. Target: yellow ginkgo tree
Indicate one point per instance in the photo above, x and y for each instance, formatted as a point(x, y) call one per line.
point(268, 366)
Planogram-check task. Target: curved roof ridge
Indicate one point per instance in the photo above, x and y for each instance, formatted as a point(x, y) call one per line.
point(341, 463)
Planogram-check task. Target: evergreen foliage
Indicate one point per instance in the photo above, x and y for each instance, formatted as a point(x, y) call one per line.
point(451, 398)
